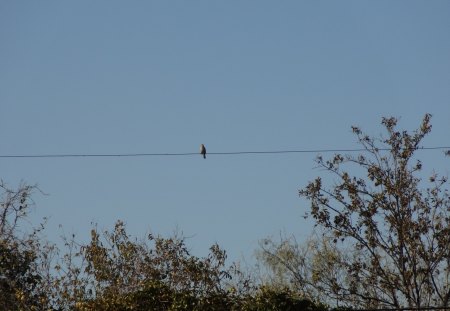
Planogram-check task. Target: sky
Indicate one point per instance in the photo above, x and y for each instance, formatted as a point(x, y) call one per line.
point(113, 77)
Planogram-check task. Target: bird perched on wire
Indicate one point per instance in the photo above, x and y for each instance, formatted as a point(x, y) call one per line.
point(203, 151)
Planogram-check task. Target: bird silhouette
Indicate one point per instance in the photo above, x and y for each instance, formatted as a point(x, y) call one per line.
point(203, 151)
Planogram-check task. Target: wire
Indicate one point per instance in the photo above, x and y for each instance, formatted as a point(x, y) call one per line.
point(110, 155)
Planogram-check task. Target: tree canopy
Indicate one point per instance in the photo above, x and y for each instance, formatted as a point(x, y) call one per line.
point(115, 271)
point(386, 228)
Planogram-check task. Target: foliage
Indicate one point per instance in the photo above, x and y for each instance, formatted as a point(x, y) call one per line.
point(383, 238)
point(116, 272)
point(301, 267)
point(396, 233)
point(19, 271)
point(160, 274)
point(121, 270)
point(282, 299)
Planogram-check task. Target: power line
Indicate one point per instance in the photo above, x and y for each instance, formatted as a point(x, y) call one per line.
point(110, 155)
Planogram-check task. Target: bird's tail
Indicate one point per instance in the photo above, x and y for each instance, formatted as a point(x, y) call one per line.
point(204, 156)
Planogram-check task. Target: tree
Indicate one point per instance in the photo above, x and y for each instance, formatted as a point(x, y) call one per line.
point(310, 268)
point(117, 272)
point(121, 273)
point(19, 251)
point(394, 233)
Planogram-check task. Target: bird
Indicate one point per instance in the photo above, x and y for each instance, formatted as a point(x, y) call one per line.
point(203, 151)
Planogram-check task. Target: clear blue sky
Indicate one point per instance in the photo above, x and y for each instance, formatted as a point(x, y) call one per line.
point(166, 76)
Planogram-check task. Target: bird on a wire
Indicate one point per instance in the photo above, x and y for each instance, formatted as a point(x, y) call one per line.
point(203, 151)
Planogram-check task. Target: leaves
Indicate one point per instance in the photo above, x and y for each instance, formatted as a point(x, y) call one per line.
point(400, 228)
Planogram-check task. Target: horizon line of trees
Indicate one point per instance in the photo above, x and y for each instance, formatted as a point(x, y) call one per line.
point(383, 242)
